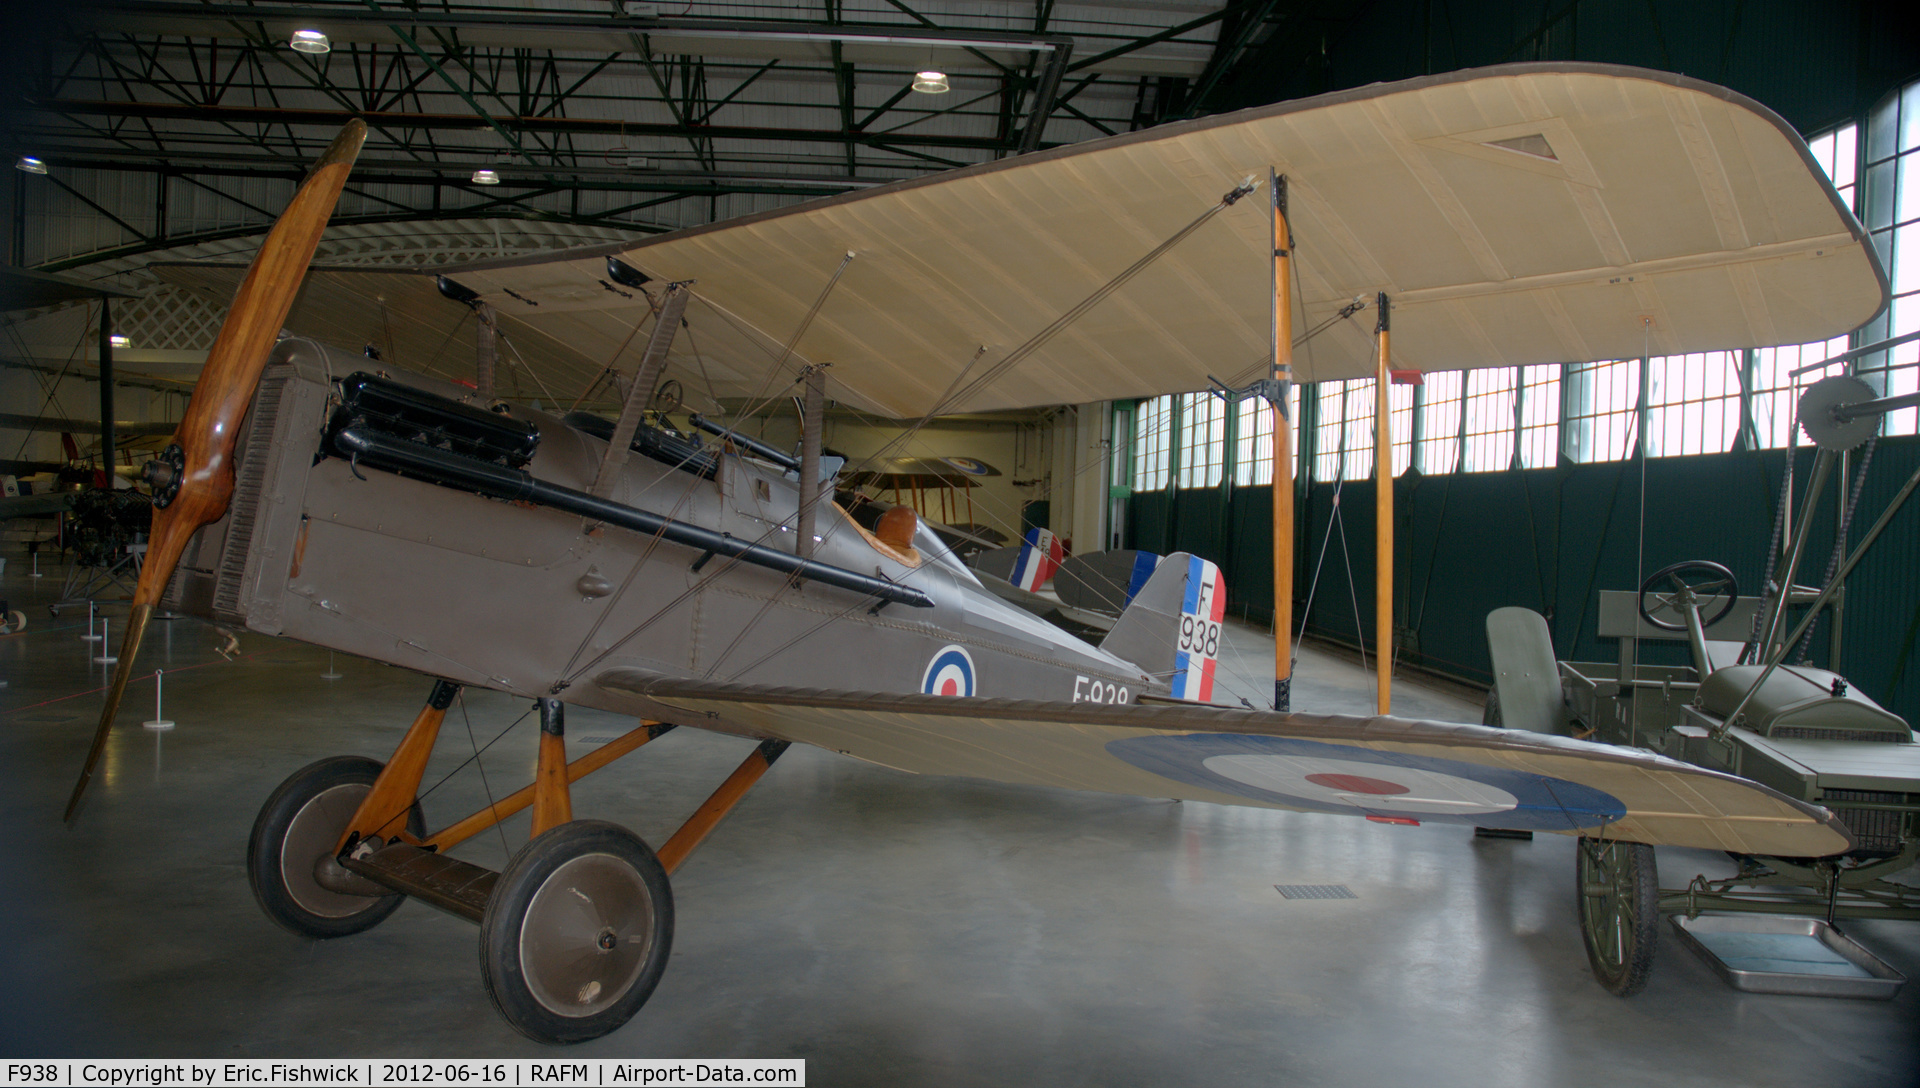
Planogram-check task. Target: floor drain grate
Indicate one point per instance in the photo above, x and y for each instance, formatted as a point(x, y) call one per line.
point(1315, 891)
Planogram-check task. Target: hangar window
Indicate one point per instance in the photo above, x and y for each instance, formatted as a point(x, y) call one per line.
point(1892, 217)
point(1601, 400)
point(1153, 444)
point(1775, 390)
point(1440, 421)
point(1400, 409)
point(1343, 437)
point(1253, 440)
point(1203, 439)
point(1540, 416)
point(1488, 441)
point(1693, 402)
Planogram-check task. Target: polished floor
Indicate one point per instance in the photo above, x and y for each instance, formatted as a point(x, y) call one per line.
point(888, 928)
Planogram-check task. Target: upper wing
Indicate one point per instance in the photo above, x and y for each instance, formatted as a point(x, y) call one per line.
point(1390, 768)
point(1532, 213)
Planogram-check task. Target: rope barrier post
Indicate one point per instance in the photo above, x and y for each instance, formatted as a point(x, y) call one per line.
point(159, 717)
point(90, 636)
point(106, 656)
point(331, 673)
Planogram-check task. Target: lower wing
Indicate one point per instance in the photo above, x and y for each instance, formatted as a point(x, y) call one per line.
point(1391, 769)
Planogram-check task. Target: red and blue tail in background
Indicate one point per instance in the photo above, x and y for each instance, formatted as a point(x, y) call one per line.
point(1040, 555)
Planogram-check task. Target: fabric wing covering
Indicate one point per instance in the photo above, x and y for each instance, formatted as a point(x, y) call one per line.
point(1523, 214)
point(1387, 768)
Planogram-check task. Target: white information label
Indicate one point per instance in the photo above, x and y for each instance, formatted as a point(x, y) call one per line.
point(357, 1072)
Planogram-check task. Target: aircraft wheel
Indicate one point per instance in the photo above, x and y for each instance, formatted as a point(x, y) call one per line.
point(577, 932)
point(1490, 714)
point(295, 833)
point(1619, 894)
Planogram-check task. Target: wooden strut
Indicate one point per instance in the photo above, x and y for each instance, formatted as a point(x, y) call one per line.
point(397, 788)
point(715, 808)
point(552, 800)
point(383, 811)
point(455, 834)
point(1282, 293)
point(1382, 517)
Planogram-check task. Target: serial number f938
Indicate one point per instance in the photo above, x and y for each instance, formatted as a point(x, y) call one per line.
point(1088, 689)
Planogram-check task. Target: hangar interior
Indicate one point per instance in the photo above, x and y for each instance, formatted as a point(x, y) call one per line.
point(891, 927)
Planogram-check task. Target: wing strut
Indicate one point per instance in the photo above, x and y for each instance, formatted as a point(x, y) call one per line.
point(652, 361)
point(1281, 378)
point(1382, 519)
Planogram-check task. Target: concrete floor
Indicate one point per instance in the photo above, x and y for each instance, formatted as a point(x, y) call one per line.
point(888, 928)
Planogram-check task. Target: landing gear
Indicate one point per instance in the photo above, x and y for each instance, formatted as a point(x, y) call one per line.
point(577, 932)
point(294, 839)
point(1618, 889)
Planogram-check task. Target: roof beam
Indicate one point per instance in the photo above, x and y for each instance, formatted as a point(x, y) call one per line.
point(396, 120)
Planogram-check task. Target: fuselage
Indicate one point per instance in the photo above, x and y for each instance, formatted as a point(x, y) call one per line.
point(534, 601)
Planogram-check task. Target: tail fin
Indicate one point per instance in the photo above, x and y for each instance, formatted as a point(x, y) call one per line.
point(1172, 628)
point(1039, 557)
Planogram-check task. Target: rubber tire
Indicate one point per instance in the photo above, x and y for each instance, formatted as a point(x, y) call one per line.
point(1620, 924)
point(521, 884)
point(265, 847)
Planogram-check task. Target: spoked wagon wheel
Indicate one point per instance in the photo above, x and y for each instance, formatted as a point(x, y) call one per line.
point(577, 932)
point(1618, 888)
point(293, 839)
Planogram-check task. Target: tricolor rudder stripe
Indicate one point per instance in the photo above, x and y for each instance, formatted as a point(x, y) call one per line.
point(1198, 647)
point(1040, 555)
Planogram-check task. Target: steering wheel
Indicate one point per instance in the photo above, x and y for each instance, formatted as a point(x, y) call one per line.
point(1696, 581)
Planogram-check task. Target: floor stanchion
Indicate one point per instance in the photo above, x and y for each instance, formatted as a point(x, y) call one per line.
point(159, 719)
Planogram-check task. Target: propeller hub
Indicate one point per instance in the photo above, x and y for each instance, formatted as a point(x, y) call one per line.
point(165, 473)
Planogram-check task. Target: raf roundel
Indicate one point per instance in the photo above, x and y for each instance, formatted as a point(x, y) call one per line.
point(1322, 777)
point(949, 673)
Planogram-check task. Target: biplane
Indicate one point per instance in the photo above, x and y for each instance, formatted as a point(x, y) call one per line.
point(1522, 214)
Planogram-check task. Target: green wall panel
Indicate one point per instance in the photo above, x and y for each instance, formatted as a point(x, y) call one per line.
point(1550, 540)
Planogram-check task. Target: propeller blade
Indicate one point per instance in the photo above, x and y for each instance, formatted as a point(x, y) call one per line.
point(196, 478)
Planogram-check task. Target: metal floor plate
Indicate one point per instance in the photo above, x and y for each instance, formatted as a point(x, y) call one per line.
point(1315, 891)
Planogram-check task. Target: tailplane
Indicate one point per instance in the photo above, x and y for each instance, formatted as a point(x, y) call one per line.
point(1172, 627)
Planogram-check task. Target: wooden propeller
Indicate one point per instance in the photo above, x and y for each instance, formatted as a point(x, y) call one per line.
point(194, 480)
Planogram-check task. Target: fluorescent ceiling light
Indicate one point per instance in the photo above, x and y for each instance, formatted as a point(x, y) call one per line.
point(483, 176)
point(930, 82)
point(309, 41)
point(119, 341)
point(30, 165)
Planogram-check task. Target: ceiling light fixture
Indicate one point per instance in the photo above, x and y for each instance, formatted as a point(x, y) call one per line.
point(119, 341)
point(309, 41)
point(931, 81)
point(484, 176)
point(30, 165)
